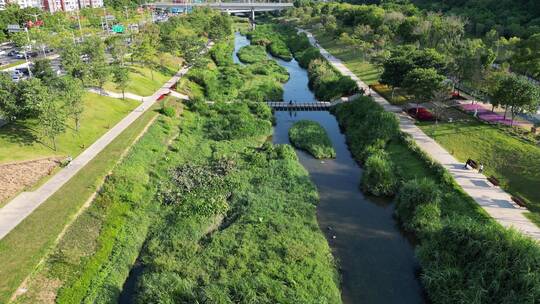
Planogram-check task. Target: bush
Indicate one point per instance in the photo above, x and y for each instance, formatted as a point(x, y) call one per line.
point(327, 83)
point(252, 54)
point(168, 111)
point(221, 53)
point(234, 121)
point(311, 137)
point(367, 126)
point(472, 262)
point(379, 177)
point(417, 206)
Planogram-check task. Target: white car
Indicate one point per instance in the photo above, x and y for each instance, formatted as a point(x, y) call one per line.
point(16, 77)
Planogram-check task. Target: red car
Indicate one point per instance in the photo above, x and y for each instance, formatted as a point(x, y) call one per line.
point(421, 114)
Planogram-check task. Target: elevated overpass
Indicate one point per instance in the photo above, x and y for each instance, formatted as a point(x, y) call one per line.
point(228, 7)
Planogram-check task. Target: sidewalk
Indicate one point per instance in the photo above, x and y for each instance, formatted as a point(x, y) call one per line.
point(497, 203)
point(22, 205)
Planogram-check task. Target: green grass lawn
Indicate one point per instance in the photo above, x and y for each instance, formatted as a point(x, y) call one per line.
point(513, 161)
point(366, 71)
point(20, 141)
point(23, 248)
point(141, 80)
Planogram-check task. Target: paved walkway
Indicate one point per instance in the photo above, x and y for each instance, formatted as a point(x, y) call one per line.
point(116, 95)
point(22, 205)
point(494, 200)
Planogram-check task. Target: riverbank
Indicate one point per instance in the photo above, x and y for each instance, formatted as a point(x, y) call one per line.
point(458, 215)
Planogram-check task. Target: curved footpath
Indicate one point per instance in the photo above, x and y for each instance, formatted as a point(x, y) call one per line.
point(497, 203)
point(22, 205)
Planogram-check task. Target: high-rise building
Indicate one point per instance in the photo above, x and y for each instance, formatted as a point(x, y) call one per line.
point(21, 3)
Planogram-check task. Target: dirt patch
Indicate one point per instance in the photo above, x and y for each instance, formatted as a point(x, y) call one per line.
point(15, 177)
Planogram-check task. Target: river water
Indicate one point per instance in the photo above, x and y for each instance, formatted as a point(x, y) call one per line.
point(376, 261)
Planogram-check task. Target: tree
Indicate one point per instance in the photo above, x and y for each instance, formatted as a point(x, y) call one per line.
point(70, 91)
point(31, 95)
point(9, 107)
point(423, 83)
point(71, 60)
point(118, 49)
point(43, 70)
point(519, 94)
point(100, 72)
point(187, 44)
point(52, 118)
point(121, 78)
point(394, 69)
point(527, 56)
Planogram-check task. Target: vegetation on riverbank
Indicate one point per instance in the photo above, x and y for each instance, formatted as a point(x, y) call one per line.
point(30, 241)
point(252, 54)
point(274, 43)
point(221, 80)
point(245, 216)
point(311, 137)
point(324, 80)
point(465, 255)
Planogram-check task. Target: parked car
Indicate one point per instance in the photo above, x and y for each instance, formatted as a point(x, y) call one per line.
point(23, 71)
point(12, 53)
point(32, 54)
point(16, 77)
point(421, 114)
point(19, 56)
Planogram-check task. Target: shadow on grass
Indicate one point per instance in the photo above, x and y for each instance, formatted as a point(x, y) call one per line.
point(19, 133)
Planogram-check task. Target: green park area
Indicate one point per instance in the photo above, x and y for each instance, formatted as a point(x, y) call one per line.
point(21, 140)
point(144, 80)
point(24, 247)
point(513, 161)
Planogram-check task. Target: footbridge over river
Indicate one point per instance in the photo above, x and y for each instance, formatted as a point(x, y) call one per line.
point(301, 106)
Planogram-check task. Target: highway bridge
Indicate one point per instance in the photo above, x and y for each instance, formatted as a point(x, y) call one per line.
point(229, 7)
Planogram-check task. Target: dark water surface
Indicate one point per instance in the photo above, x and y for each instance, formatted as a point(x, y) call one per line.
point(376, 261)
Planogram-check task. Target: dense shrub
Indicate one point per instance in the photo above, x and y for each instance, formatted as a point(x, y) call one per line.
point(260, 81)
point(221, 53)
point(379, 176)
point(234, 121)
point(471, 262)
point(304, 57)
point(168, 111)
point(327, 83)
point(270, 68)
point(268, 36)
point(311, 136)
point(251, 252)
point(252, 54)
point(417, 206)
point(367, 126)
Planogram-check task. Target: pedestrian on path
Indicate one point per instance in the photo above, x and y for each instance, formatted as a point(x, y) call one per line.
point(467, 163)
point(481, 168)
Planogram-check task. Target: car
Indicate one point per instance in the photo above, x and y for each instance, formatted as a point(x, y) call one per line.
point(12, 53)
point(16, 77)
point(20, 56)
point(23, 71)
point(32, 54)
point(421, 114)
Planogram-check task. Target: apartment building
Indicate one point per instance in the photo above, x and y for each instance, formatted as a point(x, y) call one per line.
point(54, 5)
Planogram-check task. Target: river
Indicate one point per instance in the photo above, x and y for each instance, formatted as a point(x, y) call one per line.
point(376, 261)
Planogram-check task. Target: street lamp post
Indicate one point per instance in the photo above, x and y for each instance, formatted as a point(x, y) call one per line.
point(26, 54)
